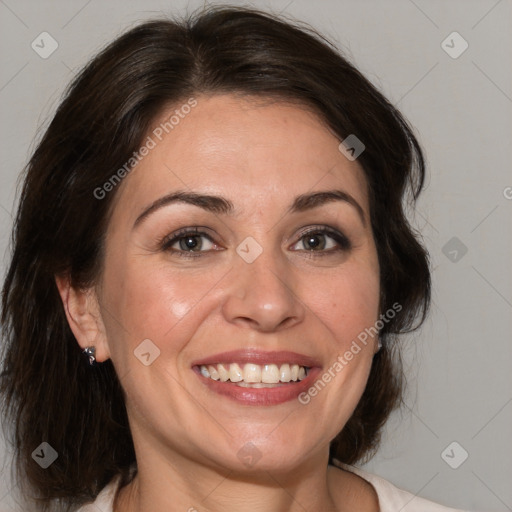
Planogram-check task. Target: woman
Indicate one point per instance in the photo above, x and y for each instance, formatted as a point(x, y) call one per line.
point(211, 266)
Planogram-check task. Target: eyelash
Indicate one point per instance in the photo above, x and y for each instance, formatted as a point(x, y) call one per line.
point(343, 242)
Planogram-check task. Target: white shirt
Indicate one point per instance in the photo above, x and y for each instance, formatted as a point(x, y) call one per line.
point(391, 498)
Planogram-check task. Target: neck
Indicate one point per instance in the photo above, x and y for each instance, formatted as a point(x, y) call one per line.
point(163, 486)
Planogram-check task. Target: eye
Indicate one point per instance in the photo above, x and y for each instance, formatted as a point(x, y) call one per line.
point(187, 241)
point(323, 240)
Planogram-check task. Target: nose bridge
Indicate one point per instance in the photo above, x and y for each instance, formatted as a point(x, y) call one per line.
point(266, 269)
point(262, 292)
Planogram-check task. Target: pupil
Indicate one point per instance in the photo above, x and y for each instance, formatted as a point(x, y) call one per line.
point(313, 241)
point(190, 242)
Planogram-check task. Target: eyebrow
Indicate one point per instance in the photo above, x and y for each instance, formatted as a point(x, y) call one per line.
point(221, 205)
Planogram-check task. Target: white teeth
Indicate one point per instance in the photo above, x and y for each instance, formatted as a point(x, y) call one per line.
point(223, 372)
point(214, 374)
point(285, 373)
point(270, 374)
point(235, 373)
point(253, 374)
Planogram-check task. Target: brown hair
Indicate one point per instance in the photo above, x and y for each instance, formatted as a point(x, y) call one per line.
point(49, 391)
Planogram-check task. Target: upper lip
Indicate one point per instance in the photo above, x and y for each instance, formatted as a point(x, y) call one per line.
point(258, 357)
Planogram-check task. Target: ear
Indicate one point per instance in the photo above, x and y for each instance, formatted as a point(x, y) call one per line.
point(84, 317)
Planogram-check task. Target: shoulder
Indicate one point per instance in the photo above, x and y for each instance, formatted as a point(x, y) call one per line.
point(104, 502)
point(392, 498)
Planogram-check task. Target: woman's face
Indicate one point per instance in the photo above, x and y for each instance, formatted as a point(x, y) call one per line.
point(285, 277)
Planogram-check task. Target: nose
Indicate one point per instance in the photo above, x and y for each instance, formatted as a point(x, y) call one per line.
point(263, 295)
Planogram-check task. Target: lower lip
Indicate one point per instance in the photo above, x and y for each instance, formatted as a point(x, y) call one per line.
point(261, 396)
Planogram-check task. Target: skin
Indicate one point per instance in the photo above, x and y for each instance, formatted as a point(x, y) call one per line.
point(260, 156)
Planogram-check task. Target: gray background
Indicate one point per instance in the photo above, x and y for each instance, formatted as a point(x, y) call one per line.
point(459, 363)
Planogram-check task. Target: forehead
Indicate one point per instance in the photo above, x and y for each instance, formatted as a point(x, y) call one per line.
point(251, 151)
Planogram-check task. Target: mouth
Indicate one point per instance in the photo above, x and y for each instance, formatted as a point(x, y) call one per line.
point(252, 375)
point(257, 378)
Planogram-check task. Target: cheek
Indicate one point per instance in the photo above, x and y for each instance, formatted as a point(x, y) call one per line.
point(346, 302)
point(151, 301)
point(348, 307)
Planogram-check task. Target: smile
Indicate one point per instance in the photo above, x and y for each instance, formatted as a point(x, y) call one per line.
point(255, 375)
point(257, 378)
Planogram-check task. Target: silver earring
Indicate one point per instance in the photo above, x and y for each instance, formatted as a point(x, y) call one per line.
point(90, 352)
point(379, 345)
